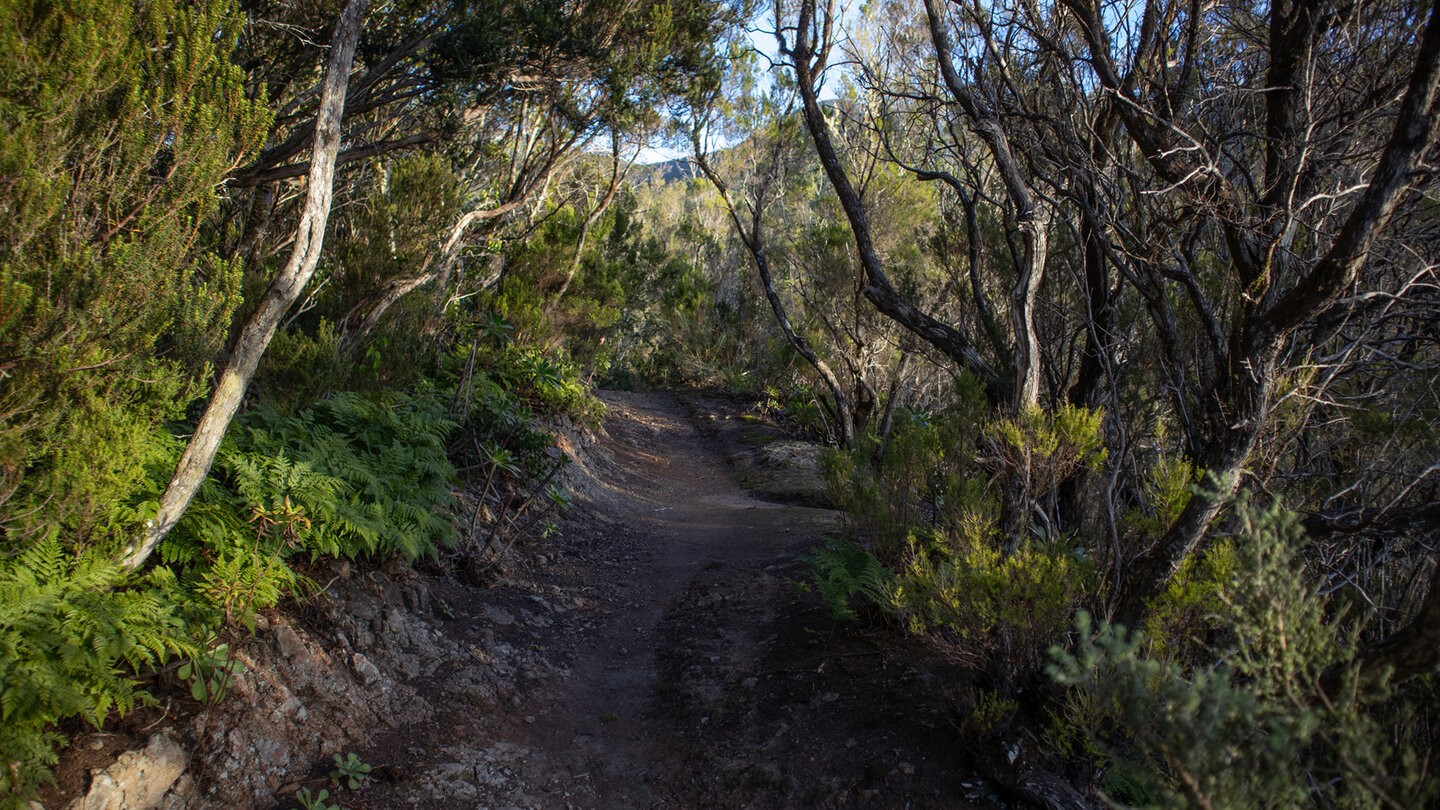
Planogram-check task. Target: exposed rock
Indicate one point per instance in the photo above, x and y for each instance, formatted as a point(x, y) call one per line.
point(138, 780)
point(366, 670)
point(786, 471)
point(498, 615)
point(289, 642)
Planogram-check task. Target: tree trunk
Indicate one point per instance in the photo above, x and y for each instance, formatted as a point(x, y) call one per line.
point(754, 240)
point(1022, 315)
point(808, 60)
point(255, 335)
point(1033, 227)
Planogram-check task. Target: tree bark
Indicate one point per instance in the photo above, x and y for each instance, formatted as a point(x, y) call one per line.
point(255, 335)
point(808, 60)
point(754, 241)
point(1033, 226)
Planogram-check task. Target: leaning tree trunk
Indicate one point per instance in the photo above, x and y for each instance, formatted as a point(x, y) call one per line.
point(754, 241)
point(255, 335)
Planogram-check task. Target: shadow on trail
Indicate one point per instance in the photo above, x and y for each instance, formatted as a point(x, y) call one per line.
point(672, 661)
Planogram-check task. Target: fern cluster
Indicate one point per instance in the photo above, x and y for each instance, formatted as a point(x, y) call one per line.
point(73, 633)
point(543, 382)
point(357, 475)
point(843, 571)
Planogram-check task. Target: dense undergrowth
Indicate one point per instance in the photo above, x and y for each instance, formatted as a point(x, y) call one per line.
point(1241, 690)
point(361, 475)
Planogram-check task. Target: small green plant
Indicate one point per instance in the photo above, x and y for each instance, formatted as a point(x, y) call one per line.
point(350, 771)
point(211, 674)
point(843, 570)
point(1165, 488)
point(315, 802)
point(990, 709)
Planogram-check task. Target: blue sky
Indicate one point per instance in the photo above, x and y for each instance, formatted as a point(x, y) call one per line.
point(762, 39)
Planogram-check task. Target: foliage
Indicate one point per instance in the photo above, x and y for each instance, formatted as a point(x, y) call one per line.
point(118, 121)
point(1182, 618)
point(927, 548)
point(74, 631)
point(1167, 486)
point(515, 462)
point(357, 475)
point(918, 479)
point(986, 602)
point(350, 770)
point(1252, 727)
point(525, 378)
point(842, 571)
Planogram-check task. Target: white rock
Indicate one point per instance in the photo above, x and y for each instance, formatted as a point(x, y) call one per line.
point(138, 780)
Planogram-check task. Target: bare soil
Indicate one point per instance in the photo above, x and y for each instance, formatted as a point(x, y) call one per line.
point(661, 653)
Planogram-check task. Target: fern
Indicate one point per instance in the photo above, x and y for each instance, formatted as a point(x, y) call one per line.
point(367, 472)
point(843, 570)
point(71, 636)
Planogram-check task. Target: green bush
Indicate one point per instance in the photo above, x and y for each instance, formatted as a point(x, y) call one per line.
point(1165, 490)
point(118, 122)
point(1249, 726)
point(920, 480)
point(985, 603)
point(927, 546)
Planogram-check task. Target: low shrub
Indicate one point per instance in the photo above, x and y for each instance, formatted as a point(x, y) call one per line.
point(1247, 725)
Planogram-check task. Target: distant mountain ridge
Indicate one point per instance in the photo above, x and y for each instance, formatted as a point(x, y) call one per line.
point(665, 172)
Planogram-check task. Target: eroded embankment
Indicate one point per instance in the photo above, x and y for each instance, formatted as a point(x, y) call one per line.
point(657, 654)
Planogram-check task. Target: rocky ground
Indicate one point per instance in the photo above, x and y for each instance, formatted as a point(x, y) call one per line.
point(660, 652)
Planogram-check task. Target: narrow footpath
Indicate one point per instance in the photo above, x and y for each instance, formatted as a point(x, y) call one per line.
point(665, 654)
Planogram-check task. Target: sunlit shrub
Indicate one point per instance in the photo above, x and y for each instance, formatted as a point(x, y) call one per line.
point(1045, 447)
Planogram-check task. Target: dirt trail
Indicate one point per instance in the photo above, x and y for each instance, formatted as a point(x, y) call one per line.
point(661, 655)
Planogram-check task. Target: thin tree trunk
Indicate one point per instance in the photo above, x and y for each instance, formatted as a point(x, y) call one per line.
point(808, 59)
point(1032, 225)
point(255, 336)
point(1022, 315)
point(754, 240)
